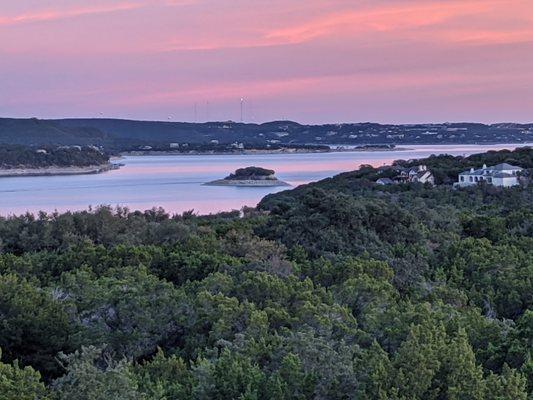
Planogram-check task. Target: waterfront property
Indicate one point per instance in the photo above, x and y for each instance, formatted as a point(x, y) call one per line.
point(504, 175)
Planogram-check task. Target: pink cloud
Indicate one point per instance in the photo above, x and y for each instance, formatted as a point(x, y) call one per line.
point(53, 15)
point(408, 19)
point(382, 19)
point(486, 37)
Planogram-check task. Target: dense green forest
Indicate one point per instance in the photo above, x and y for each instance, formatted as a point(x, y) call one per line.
point(341, 289)
point(12, 156)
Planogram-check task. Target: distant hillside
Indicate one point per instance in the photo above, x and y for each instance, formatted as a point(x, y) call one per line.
point(288, 132)
point(39, 132)
point(164, 132)
point(115, 134)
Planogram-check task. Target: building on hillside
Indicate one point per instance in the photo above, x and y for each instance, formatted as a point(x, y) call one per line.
point(504, 175)
point(417, 174)
point(385, 181)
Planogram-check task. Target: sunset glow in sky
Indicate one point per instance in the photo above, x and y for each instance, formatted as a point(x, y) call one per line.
point(312, 61)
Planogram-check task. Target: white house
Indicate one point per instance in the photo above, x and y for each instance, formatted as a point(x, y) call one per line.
point(504, 175)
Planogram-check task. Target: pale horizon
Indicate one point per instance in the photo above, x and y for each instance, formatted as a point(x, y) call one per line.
point(276, 120)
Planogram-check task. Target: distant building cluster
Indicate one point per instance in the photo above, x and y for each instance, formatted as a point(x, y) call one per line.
point(417, 174)
point(503, 175)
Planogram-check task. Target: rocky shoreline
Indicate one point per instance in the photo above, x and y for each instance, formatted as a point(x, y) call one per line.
point(54, 171)
point(247, 183)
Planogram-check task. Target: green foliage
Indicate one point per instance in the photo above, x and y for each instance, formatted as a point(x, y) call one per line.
point(336, 290)
point(85, 380)
point(510, 385)
point(34, 325)
point(129, 310)
point(20, 383)
point(251, 173)
point(164, 378)
point(498, 278)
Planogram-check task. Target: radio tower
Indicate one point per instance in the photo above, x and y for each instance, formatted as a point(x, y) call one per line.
point(242, 109)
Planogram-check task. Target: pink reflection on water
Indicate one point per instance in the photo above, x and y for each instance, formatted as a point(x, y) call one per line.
point(181, 169)
point(206, 206)
point(279, 165)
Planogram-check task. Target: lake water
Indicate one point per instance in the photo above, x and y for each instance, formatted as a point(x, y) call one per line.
point(175, 182)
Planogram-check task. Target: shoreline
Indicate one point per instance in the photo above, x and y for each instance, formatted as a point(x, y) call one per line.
point(57, 171)
point(340, 149)
point(252, 152)
point(247, 183)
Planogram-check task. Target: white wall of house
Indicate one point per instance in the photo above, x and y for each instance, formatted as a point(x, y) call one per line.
point(469, 180)
point(505, 182)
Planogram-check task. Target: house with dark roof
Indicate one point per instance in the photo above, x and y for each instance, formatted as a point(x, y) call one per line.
point(504, 175)
point(419, 173)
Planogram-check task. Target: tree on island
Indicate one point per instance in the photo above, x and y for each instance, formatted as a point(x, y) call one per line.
point(252, 173)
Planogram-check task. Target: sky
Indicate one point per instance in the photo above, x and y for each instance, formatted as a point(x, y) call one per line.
point(312, 61)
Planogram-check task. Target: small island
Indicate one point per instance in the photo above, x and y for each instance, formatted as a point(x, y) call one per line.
point(250, 177)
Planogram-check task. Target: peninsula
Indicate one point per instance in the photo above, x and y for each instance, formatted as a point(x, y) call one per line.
point(62, 160)
point(250, 177)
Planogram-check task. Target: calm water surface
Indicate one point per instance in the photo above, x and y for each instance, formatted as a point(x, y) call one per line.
point(175, 182)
